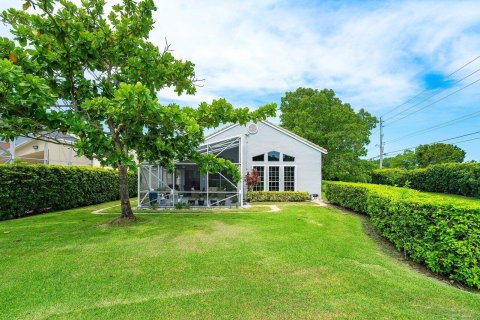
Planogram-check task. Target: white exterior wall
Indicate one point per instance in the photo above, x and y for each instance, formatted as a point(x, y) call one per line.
point(308, 161)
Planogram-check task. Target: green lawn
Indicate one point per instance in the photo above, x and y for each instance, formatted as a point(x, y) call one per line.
point(305, 261)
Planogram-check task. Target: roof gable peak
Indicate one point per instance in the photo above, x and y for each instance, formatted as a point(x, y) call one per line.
point(276, 127)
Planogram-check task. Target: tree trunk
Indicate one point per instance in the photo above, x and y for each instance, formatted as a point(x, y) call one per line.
point(127, 212)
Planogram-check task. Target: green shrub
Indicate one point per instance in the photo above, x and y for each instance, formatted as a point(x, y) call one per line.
point(30, 189)
point(182, 205)
point(454, 178)
point(277, 196)
point(441, 231)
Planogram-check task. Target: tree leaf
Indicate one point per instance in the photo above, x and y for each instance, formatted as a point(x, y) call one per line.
point(12, 57)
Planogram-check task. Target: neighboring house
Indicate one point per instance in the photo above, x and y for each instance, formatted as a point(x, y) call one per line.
point(4, 152)
point(285, 162)
point(57, 150)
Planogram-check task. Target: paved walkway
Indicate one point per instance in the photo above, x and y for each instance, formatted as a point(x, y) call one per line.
point(320, 203)
point(99, 211)
point(273, 208)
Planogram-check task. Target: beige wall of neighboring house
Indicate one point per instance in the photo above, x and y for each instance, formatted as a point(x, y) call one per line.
point(4, 152)
point(36, 151)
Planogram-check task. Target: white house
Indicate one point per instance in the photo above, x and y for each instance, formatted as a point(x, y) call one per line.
point(285, 162)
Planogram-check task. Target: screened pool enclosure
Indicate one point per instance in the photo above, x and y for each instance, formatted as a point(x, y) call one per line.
point(163, 188)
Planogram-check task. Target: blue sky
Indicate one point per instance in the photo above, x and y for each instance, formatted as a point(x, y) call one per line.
point(374, 54)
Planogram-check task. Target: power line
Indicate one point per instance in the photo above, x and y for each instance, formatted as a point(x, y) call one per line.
point(449, 75)
point(393, 120)
point(428, 98)
point(436, 101)
point(456, 142)
point(449, 139)
point(441, 125)
point(433, 95)
point(463, 135)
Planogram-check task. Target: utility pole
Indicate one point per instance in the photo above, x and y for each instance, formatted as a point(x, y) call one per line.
point(381, 142)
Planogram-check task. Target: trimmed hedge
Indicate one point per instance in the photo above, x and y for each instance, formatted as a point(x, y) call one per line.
point(30, 189)
point(454, 178)
point(277, 196)
point(440, 231)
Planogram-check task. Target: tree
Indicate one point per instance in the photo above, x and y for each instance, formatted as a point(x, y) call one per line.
point(324, 119)
point(407, 160)
point(428, 154)
point(82, 71)
point(363, 172)
point(252, 179)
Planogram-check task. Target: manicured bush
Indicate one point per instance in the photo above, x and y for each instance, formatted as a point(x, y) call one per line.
point(30, 189)
point(454, 178)
point(277, 196)
point(440, 231)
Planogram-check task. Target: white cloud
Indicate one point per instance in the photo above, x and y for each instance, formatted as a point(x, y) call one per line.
point(373, 54)
point(364, 51)
point(365, 54)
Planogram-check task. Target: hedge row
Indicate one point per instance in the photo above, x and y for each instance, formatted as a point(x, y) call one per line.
point(454, 178)
point(277, 196)
point(442, 232)
point(30, 189)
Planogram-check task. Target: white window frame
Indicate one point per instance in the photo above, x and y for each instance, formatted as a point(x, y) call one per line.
point(280, 157)
point(265, 156)
point(265, 175)
point(281, 164)
point(294, 158)
point(280, 177)
point(294, 176)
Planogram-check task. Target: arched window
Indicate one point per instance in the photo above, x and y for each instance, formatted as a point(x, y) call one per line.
point(260, 157)
point(274, 156)
point(287, 158)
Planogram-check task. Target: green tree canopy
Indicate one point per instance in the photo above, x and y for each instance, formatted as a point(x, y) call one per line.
point(405, 160)
point(94, 74)
point(428, 154)
point(321, 117)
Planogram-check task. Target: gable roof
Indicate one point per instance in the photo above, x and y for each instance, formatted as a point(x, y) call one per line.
point(278, 128)
point(217, 132)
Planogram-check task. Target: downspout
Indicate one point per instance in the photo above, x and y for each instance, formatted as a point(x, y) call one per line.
point(321, 176)
point(12, 150)
point(70, 155)
point(46, 153)
point(138, 185)
point(245, 158)
point(207, 185)
point(242, 172)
